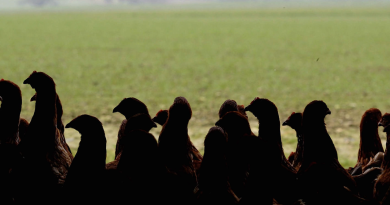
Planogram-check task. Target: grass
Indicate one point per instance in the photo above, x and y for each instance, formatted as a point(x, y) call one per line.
point(290, 56)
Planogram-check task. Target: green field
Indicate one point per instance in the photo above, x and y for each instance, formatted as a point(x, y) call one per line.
point(290, 56)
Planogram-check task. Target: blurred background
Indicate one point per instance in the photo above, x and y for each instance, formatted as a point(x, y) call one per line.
point(291, 52)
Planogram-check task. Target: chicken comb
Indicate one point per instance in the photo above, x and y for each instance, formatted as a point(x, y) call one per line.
point(2, 79)
point(34, 71)
point(290, 116)
point(256, 98)
point(159, 112)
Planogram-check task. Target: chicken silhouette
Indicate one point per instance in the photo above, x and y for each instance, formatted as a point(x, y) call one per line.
point(10, 109)
point(175, 151)
point(84, 179)
point(42, 174)
point(284, 173)
point(214, 187)
point(295, 122)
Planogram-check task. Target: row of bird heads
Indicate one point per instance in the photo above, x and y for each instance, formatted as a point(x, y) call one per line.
point(265, 110)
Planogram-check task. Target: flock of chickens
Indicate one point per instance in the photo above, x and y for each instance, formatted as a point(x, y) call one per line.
point(238, 167)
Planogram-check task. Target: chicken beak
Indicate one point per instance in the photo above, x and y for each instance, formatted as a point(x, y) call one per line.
point(285, 123)
point(219, 123)
point(33, 98)
point(154, 119)
point(154, 124)
point(380, 123)
point(116, 109)
point(27, 81)
point(328, 112)
point(69, 125)
point(247, 108)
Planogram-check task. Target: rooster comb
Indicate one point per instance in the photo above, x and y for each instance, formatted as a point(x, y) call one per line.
point(256, 98)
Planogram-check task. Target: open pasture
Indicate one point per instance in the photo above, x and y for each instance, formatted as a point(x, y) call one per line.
point(290, 56)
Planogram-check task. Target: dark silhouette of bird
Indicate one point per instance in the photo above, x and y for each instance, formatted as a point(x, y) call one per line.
point(139, 172)
point(140, 121)
point(248, 161)
point(128, 107)
point(295, 122)
point(46, 161)
point(370, 142)
point(175, 151)
point(11, 98)
point(213, 186)
point(227, 106)
point(84, 181)
point(322, 180)
point(60, 125)
point(161, 117)
point(284, 173)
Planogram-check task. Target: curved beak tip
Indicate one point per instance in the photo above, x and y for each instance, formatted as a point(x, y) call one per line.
point(284, 123)
point(68, 126)
point(114, 110)
point(246, 108)
point(25, 81)
point(328, 112)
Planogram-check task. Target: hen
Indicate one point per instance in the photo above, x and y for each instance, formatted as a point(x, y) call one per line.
point(137, 122)
point(128, 107)
point(370, 142)
point(214, 187)
point(160, 118)
point(175, 151)
point(284, 173)
point(295, 122)
point(138, 175)
point(42, 175)
point(60, 125)
point(84, 179)
point(10, 109)
point(321, 177)
point(246, 159)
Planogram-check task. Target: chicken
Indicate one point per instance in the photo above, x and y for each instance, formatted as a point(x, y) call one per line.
point(248, 176)
point(128, 107)
point(60, 125)
point(137, 122)
point(84, 179)
point(46, 161)
point(295, 122)
point(370, 142)
point(321, 178)
point(214, 187)
point(161, 117)
point(382, 186)
point(139, 172)
point(175, 153)
point(269, 130)
point(227, 106)
point(11, 98)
